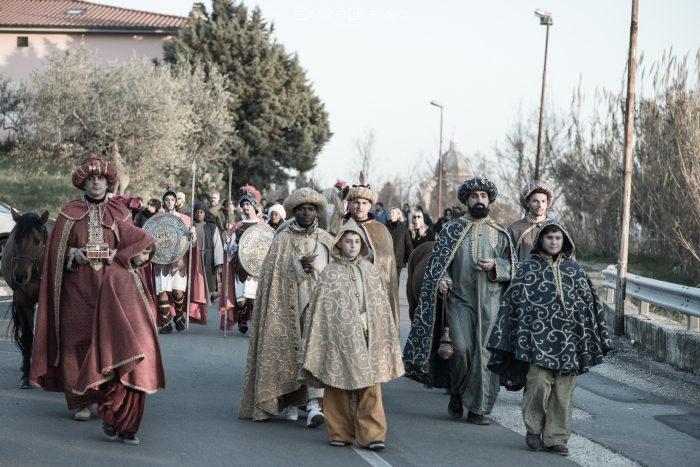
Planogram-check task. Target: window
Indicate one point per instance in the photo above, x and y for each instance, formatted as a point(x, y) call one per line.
point(75, 11)
point(22, 41)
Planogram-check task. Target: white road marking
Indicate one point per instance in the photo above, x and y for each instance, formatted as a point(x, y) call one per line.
point(372, 458)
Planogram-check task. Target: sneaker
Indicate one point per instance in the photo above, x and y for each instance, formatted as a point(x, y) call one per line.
point(338, 443)
point(376, 446)
point(455, 408)
point(533, 441)
point(559, 449)
point(109, 431)
point(315, 418)
point(84, 414)
point(477, 419)
point(291, 414)
point(129, 438)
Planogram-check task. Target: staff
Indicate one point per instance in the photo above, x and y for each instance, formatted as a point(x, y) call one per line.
point(228, 222)
point(189, 273)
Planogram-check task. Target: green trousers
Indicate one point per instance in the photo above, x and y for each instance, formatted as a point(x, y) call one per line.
point(548, 404)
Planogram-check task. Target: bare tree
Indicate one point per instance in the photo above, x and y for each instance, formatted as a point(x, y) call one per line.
point(364, 154)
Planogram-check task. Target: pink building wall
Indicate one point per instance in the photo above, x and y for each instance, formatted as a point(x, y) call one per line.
point(18, 62)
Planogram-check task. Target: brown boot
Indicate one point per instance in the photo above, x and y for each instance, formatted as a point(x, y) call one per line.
point(166, 326)
point(179, 313)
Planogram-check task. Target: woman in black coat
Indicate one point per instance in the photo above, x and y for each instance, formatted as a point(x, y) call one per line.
point(420, 233)
point(401, 237)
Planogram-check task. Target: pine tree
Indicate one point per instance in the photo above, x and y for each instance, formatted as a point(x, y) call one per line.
point(279, 120)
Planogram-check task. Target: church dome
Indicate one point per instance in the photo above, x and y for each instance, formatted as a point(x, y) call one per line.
point(455, 165)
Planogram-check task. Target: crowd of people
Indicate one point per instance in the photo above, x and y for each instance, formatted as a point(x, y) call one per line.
point(498, 306)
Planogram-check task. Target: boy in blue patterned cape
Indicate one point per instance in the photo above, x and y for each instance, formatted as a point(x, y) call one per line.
point(550, 328)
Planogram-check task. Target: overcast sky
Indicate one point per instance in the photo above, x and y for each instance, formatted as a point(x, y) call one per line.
point(482, 60)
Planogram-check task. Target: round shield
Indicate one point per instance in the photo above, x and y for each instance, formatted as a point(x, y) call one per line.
point(172, 237)
point(253, 246)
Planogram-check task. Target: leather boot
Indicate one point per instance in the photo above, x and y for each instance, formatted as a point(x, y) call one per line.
point(166, 326)
point(243, 317)
point(179, 313)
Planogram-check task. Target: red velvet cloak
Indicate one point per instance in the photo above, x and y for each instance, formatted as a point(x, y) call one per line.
point(68, 297)
point(125, 341)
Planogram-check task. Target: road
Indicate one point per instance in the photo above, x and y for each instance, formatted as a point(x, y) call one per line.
point(644, 412)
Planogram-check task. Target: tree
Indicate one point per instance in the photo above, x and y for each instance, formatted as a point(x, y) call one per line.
point(364, 155)
point(281, 123)
point(149, 120)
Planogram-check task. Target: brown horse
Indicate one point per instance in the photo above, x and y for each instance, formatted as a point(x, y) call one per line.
point(416, 270)
point(22, 263)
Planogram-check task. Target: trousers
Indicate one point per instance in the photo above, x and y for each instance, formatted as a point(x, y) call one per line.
point(366, 422)
point(122, 407)
point(548, 405)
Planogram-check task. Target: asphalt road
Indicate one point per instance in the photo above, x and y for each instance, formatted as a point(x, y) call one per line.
point(195, 421)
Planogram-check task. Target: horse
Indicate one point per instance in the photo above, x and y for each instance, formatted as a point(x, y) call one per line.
point(22, 264)
point(416, 270)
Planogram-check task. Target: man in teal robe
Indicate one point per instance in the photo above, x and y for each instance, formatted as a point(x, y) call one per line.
point(467, 273)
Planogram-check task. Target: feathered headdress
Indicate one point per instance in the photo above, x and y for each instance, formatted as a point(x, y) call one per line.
point(251, 195)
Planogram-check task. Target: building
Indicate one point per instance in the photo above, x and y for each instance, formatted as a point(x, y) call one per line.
point(31, 30)
point(455, 170)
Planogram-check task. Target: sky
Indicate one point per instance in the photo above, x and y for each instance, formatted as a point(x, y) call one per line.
point(378, 64)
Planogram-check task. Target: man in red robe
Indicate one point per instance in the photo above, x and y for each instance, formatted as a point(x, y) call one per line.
point(241, 286)
point(81, 247)
point(125, 358)
point(171, 279)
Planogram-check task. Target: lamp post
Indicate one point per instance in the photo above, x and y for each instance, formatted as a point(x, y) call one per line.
point(439, 203)
point(545, 20)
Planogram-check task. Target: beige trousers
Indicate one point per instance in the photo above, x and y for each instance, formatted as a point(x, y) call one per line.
point(548, 404)
point(366, 423)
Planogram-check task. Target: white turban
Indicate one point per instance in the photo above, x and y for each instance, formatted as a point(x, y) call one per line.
point(278, 208)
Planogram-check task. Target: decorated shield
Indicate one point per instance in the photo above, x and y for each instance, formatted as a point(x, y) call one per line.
point(172, 237)
point(253, 246)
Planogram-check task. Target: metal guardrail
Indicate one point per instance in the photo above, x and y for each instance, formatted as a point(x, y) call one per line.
point(680, 298)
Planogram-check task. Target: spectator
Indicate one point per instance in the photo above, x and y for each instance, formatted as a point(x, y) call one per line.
point(442, 221)
point(146, 213)
point(420, 233)
point(180, 203)
point(426, 217)
point(406, 213)
point(380, 215)
point(402, 239)
point(277, 215)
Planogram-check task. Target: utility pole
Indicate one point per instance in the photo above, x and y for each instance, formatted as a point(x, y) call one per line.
point(546, 20)
point(621, 287)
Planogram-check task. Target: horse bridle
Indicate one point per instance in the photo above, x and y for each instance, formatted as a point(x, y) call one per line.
point(35, 260)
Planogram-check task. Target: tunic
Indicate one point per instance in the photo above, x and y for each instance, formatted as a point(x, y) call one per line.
point(471, 308)
point(209, 242)
point(523, 233)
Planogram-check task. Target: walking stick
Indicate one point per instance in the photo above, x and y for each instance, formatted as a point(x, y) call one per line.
point(189, 272)
point(228, 221)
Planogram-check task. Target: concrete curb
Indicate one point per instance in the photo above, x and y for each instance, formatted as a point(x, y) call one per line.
point(668, 340)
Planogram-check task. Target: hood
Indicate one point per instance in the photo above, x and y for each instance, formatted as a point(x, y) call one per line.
point(208, 216)
point(350, 226)
point(567, 250)
point(132, 240)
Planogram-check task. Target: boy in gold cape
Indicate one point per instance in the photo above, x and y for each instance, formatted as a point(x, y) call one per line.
point(351, 343)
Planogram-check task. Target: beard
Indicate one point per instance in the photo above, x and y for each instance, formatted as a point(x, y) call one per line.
point(478, 211)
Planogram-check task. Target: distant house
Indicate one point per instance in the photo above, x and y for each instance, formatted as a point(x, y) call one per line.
point(31, 30)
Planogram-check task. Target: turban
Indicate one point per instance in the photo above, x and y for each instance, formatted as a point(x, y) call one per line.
point(279, 209)
point(94, 166)
point(359, 191)
point(532, 186)
point(303, 196)
point(477, 184)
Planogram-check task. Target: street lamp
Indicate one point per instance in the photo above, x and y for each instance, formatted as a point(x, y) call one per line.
point(439, 204)
point(545, 20)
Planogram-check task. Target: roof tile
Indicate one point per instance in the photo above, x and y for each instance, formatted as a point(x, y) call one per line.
point(52, 14)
